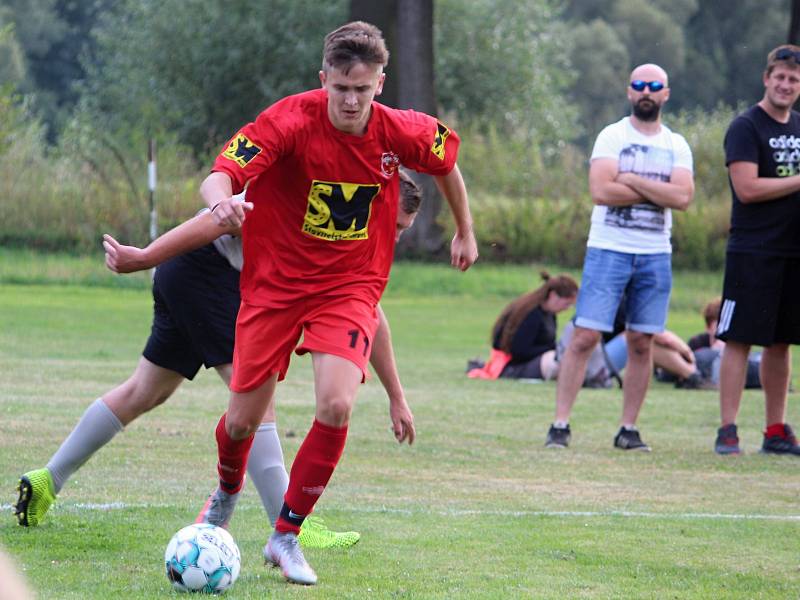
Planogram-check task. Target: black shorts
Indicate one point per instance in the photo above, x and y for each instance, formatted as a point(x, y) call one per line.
point(760, 300)
point(531, 369)
point(195, 303)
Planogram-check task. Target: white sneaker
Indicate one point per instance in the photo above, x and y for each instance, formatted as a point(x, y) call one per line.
point(218, 509)
point(283, 550)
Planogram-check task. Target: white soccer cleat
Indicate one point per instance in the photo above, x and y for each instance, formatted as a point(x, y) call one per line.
point(283, 550)
point(218, 509)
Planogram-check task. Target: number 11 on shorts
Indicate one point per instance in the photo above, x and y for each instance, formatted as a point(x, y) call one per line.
point(354, 335)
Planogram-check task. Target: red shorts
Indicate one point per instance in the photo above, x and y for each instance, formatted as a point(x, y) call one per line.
point(265, 337)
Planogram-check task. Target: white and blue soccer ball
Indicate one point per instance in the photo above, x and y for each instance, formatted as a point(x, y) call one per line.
point(202, 558)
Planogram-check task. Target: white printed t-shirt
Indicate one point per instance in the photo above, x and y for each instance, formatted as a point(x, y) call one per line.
point(642, 228)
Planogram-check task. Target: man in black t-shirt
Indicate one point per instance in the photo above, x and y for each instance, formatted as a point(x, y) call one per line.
point(762, 264)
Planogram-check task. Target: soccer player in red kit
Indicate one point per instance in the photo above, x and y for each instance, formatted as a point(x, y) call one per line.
point(321, 169)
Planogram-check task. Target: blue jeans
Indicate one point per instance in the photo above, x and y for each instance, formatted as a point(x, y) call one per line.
point(644, 279)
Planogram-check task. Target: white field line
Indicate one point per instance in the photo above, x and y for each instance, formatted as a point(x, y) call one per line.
point(86, 507)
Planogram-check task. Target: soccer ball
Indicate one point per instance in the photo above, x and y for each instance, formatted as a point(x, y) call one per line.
point(202, 558)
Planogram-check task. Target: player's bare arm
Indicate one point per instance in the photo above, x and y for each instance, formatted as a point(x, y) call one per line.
point(464, 247)
point(604, 187)
point(217, 192)
point(190, 235)
point(383, 361)
point(668, 339)
point(751, 188)
point(676, 193)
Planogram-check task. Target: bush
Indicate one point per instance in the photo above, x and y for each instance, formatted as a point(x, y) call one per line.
point(528, 206)
point(65, 198)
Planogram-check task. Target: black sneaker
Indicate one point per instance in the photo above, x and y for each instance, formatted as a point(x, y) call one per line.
point(629, 439)
point(786, 444)
point(558, 437)
point(727, 440)
point(474, 363)
point(695, 381)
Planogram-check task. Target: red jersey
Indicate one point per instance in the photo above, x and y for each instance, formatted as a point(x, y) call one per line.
point(325, 201)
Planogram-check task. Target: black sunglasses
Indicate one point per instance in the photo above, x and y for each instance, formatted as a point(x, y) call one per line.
point(786, 54)
point(639, 85)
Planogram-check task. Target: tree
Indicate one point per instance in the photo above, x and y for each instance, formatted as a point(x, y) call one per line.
point(603, 62)
point(202, 69)
point(53, 35)
point(794, 23)
point(407, 26)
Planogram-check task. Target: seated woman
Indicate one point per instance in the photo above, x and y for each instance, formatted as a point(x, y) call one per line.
point(524, 335)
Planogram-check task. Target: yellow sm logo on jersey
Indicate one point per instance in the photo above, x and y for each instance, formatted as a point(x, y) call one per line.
point(439, 139)
point(241, 150)
point(339, 211)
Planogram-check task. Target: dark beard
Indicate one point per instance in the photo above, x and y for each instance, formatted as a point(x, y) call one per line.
point(648, 113)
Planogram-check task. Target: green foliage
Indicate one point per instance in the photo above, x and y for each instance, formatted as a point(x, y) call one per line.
point(528, 208)
point(729, 42)
point(202, 69)
point(542, 229)
point(12, 61)
point(503, 63)
point(51, 35)
point(11, 116)
point(65, 198)
point(704, 131)
point(509, 164)
point(602, 59)
point(714, 51)
point(651, 36)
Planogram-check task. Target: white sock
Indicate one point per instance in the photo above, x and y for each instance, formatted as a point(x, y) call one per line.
point(267, 470)
point(97, 427)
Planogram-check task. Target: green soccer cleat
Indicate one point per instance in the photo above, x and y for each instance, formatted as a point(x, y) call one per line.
point(315, 534)
point(36, 495)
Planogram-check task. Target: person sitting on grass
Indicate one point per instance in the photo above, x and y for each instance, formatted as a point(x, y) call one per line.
point(673, 360)
point(524, 335)
point(708, 350)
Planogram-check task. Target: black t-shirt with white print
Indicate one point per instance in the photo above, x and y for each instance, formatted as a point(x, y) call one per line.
point(772, 227)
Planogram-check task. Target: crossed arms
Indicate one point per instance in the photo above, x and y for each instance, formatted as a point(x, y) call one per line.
point(609, 187)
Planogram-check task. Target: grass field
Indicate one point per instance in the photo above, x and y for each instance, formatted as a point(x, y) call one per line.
point(477, 508)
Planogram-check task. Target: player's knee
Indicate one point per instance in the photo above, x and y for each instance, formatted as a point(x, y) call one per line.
point(639, 344)
point(335, 411)
point(241, 426)
point(584, 340)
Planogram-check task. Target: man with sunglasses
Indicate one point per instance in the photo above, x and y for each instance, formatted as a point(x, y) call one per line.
point(639, 171)
point(762, 263)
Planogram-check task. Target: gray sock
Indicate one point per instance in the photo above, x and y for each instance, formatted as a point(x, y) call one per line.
point(267, 471)
point(95, 429)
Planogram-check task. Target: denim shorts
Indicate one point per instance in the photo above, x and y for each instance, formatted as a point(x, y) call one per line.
point(644, 279)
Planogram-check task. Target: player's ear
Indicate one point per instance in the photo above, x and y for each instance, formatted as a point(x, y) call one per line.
point(381, 79)
point(322, 78)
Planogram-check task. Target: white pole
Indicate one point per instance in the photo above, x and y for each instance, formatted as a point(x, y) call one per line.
point(151, 184)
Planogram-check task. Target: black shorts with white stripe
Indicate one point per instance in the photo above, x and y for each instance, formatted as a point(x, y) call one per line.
point(760, 300)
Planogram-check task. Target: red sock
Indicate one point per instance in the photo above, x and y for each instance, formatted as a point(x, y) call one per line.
point(233, 456)
point(776, 429)
point(311, 470)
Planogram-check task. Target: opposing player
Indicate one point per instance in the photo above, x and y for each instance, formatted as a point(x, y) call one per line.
point(196, 298)
point(318, 246)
